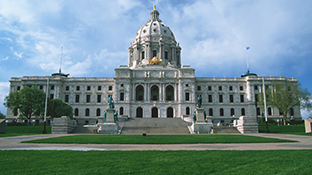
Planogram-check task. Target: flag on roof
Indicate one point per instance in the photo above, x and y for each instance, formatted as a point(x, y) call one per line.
point(247, 48)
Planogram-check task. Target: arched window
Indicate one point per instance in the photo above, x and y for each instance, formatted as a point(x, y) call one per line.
point(139, 91)
point(154, 112)
point(76, 112)
point(221, 112)
point(187, 111)
point(169, 93)
point(143, 55)
point(170, 112)
point(155, 93)
point(154, 53)
point(269, 111)
point(87, 112)
point(121, 111)
point(232, 112)
point(210, 112)
point(243, 111)
point(98, 112)
point(139, 112)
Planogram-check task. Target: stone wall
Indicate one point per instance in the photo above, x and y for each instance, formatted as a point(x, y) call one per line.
point(63, 125)
point(246, 125)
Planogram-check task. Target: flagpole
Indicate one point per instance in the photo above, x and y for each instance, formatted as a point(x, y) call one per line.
point(247, 48)
point(45, 109)
point(265, 106)
point(61, 60)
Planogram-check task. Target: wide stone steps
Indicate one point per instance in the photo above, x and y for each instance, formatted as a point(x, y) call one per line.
point(81, 130)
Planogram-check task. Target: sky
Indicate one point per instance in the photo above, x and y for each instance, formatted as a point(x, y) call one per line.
point(213, 34)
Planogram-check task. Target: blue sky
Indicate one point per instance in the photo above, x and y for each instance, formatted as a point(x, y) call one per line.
point(213, 35)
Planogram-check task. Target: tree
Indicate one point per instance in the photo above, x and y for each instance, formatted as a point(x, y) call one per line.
point(2, 116)
point(28, 101)
point(286, 95)
point(58, 108)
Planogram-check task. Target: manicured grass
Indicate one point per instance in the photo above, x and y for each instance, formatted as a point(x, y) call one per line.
point(24, 130)
point(156, 162)
point(285, 129)
point(156, 139)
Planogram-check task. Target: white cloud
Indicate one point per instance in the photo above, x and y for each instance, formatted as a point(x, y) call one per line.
point(6, 58)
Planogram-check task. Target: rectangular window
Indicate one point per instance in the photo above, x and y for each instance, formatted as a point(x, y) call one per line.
point(99, 98)
point(198, 88)
point(241, 98)
point(221, 98)
point(66, 98)
point(220, 88)
point(67, 88)
point(256, 98)
point(52, 87)
point(77, 99)
point(99, 88)
point(143, 55)
point(122, 96)
point(230, 88)
point(78, 88)
point(187, 96)
point(18, 88)
point(88, 99)
point(51, 96)
point(210, 98)
point(41, 87)
point(88, 88)
point(241, 88)
point(154, 53)
point(209, 88)
point(110, 88)
point(256, 87)
point(166, 55)
point(231, 99)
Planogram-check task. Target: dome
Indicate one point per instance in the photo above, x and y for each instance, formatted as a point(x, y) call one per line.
point(154, 39)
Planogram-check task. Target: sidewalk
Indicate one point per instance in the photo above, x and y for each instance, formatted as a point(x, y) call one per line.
point(13, 143)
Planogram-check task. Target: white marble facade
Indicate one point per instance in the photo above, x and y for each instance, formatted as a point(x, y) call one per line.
point(144, 89)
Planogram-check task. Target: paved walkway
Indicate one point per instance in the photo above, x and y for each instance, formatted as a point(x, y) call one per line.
point(13, 143)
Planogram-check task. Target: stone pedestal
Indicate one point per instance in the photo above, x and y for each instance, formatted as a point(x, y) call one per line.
point(63, 125)
point(247, 125)
point(201, 126)
point(108, 128)
point(308, 125)
point(110, 116)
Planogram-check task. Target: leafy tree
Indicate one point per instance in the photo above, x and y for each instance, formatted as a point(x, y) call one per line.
point(58, 108)
point(28, 101)
point(2, 116)
point(285, 95)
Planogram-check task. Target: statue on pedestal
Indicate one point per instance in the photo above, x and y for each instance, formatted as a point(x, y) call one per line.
point(194, 116)
point(110, 102)
point(104, 116)
point(199, 101)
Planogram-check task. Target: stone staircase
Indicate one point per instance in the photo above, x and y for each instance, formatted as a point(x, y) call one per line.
point(79, 129)
point(155, 126)
point(224, 130)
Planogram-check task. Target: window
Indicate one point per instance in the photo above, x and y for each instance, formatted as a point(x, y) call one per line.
point(67, 88)
point(88, 99)
point(98, 112)
point(110, 88)
point(256, 87)
point(76, 112)
point(230, 88)
point(66, 98)
point(243, 111)
point(231, 99)
point(187, 96)
point(198, 88)
point(143, 55)
point(166, 55)
point(220, 88)
point(187, 111)
point(209, 98)
point(121, 111)
point(41, 87)
point(99, 98)
point(186, 85)
point(154, 53)
point(209, 88)
point(241, 88)
point(269, 111)
point(99, 88)
point(122, 85)
point(221, 98)
point(51, 96)
point(87, 112)
point(210, 112)
point(221, 112)
point(18, 88)
point(122, 96)
point(77, 88)
point(52, 87)
point(256, 98)
point(232, 112)
point(242, 98)
point(77, 99)
point(88, 88)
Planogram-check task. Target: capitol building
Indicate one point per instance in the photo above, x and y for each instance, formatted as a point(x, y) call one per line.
point(155, 84)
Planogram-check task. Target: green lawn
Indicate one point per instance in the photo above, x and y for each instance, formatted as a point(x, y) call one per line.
point(156, 162)
point(24, 130)
point(287, 129)
point(156, 139)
